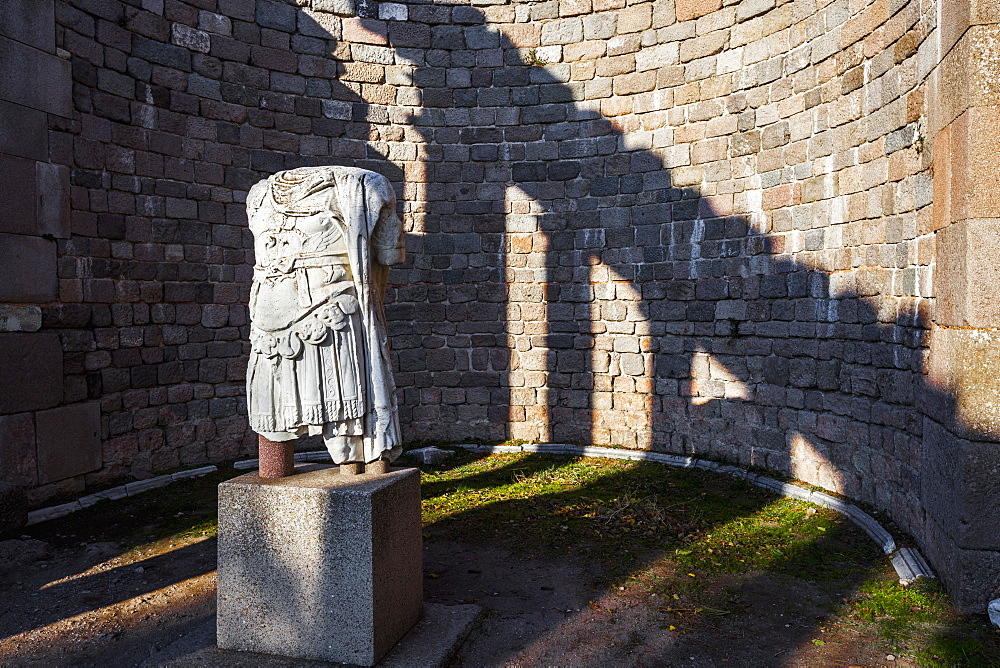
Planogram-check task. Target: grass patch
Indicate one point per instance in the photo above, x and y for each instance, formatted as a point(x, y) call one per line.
point(185, 508)
point(919, 620)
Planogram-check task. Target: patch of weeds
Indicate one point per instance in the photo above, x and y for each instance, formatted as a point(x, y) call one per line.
point(972, 643)
point(608, 510)
point(920, 620)
point(532, 58)
point(785, 536)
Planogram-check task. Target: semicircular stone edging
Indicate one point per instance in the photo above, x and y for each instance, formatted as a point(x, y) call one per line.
point(908, 562)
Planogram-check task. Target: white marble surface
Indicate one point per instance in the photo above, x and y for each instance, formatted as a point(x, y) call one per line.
point(319, 362)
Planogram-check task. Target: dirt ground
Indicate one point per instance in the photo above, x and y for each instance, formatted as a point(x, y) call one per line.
point(93, 605)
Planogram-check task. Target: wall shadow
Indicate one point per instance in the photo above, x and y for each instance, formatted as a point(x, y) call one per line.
point(828, 568)
point(726, 346)
point(723, 345)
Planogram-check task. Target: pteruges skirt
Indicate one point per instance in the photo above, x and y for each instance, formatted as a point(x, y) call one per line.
point(309, 375)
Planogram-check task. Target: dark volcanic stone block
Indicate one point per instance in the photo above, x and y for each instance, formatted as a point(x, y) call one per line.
point(68, 441)
point(23, 131)
point(31, 366)
point(27, 270)
point(17, 195)
point(40, 80)
point(30, 22)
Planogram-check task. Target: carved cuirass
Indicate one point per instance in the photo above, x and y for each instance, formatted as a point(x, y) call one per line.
point(319, 357)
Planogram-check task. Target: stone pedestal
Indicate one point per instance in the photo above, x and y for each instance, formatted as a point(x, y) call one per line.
point(319, 565)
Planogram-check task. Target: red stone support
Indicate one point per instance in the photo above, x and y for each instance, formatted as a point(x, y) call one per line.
point(276, 460)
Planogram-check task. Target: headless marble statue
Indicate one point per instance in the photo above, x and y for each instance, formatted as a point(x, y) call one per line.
point(324, 238)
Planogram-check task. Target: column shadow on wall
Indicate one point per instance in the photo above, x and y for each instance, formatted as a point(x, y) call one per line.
point(744, 348)
point(751, 357)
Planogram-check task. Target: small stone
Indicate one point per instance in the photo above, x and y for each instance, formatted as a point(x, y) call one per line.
point(994, 611)
point(430, 455)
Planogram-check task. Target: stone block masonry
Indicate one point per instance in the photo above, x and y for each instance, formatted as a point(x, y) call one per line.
point(694, 226)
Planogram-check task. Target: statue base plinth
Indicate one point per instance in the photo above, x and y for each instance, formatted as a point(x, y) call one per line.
point(318, 565)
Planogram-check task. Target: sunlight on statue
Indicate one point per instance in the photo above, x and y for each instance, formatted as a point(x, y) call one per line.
point(324, 238)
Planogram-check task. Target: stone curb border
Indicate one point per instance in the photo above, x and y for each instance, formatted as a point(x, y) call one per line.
point(120, 492)
point(908, 561)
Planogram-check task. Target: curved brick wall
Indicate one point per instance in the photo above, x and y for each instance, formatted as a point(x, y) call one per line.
point(695, 226)
point(711, 226)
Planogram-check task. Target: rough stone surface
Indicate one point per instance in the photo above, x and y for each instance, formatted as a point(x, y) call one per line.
point(965, 370)
point(39, 81)
point(970, 576)
point(18, 195)
point(53, 210)
point(13, 508)
point(27, 269)
point(68, 441)
point(32, 369)
point(23, 131)
point(32, 23)
point(20, 318)
point(319, 565)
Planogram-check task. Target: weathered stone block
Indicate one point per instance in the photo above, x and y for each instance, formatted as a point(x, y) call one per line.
point(31, 22)
point(68, 441)
point(40, 80)
point(963, 379)
point(17, 449)
point(319, 565)
point(23, 131)
point(959, 478)
point(965, 160)
point(692, 9)
point(958, 15)
point(17, 195)
point(31, 366)
point(15, 318)
point(972, 577)
point(27, 269)
point(966, 77)
point(52, 211)
point(968, 276)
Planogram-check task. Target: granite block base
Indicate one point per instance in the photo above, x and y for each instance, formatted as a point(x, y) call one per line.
point(319, 565)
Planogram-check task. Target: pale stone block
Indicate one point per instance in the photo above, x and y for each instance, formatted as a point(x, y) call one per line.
point(965, 366)
point(319, 565)
point(692, 9)
point(967, 274)
point(563, 31)
point(20, 318)
point(634, 18)
point(191, 38)
point(392, 11)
